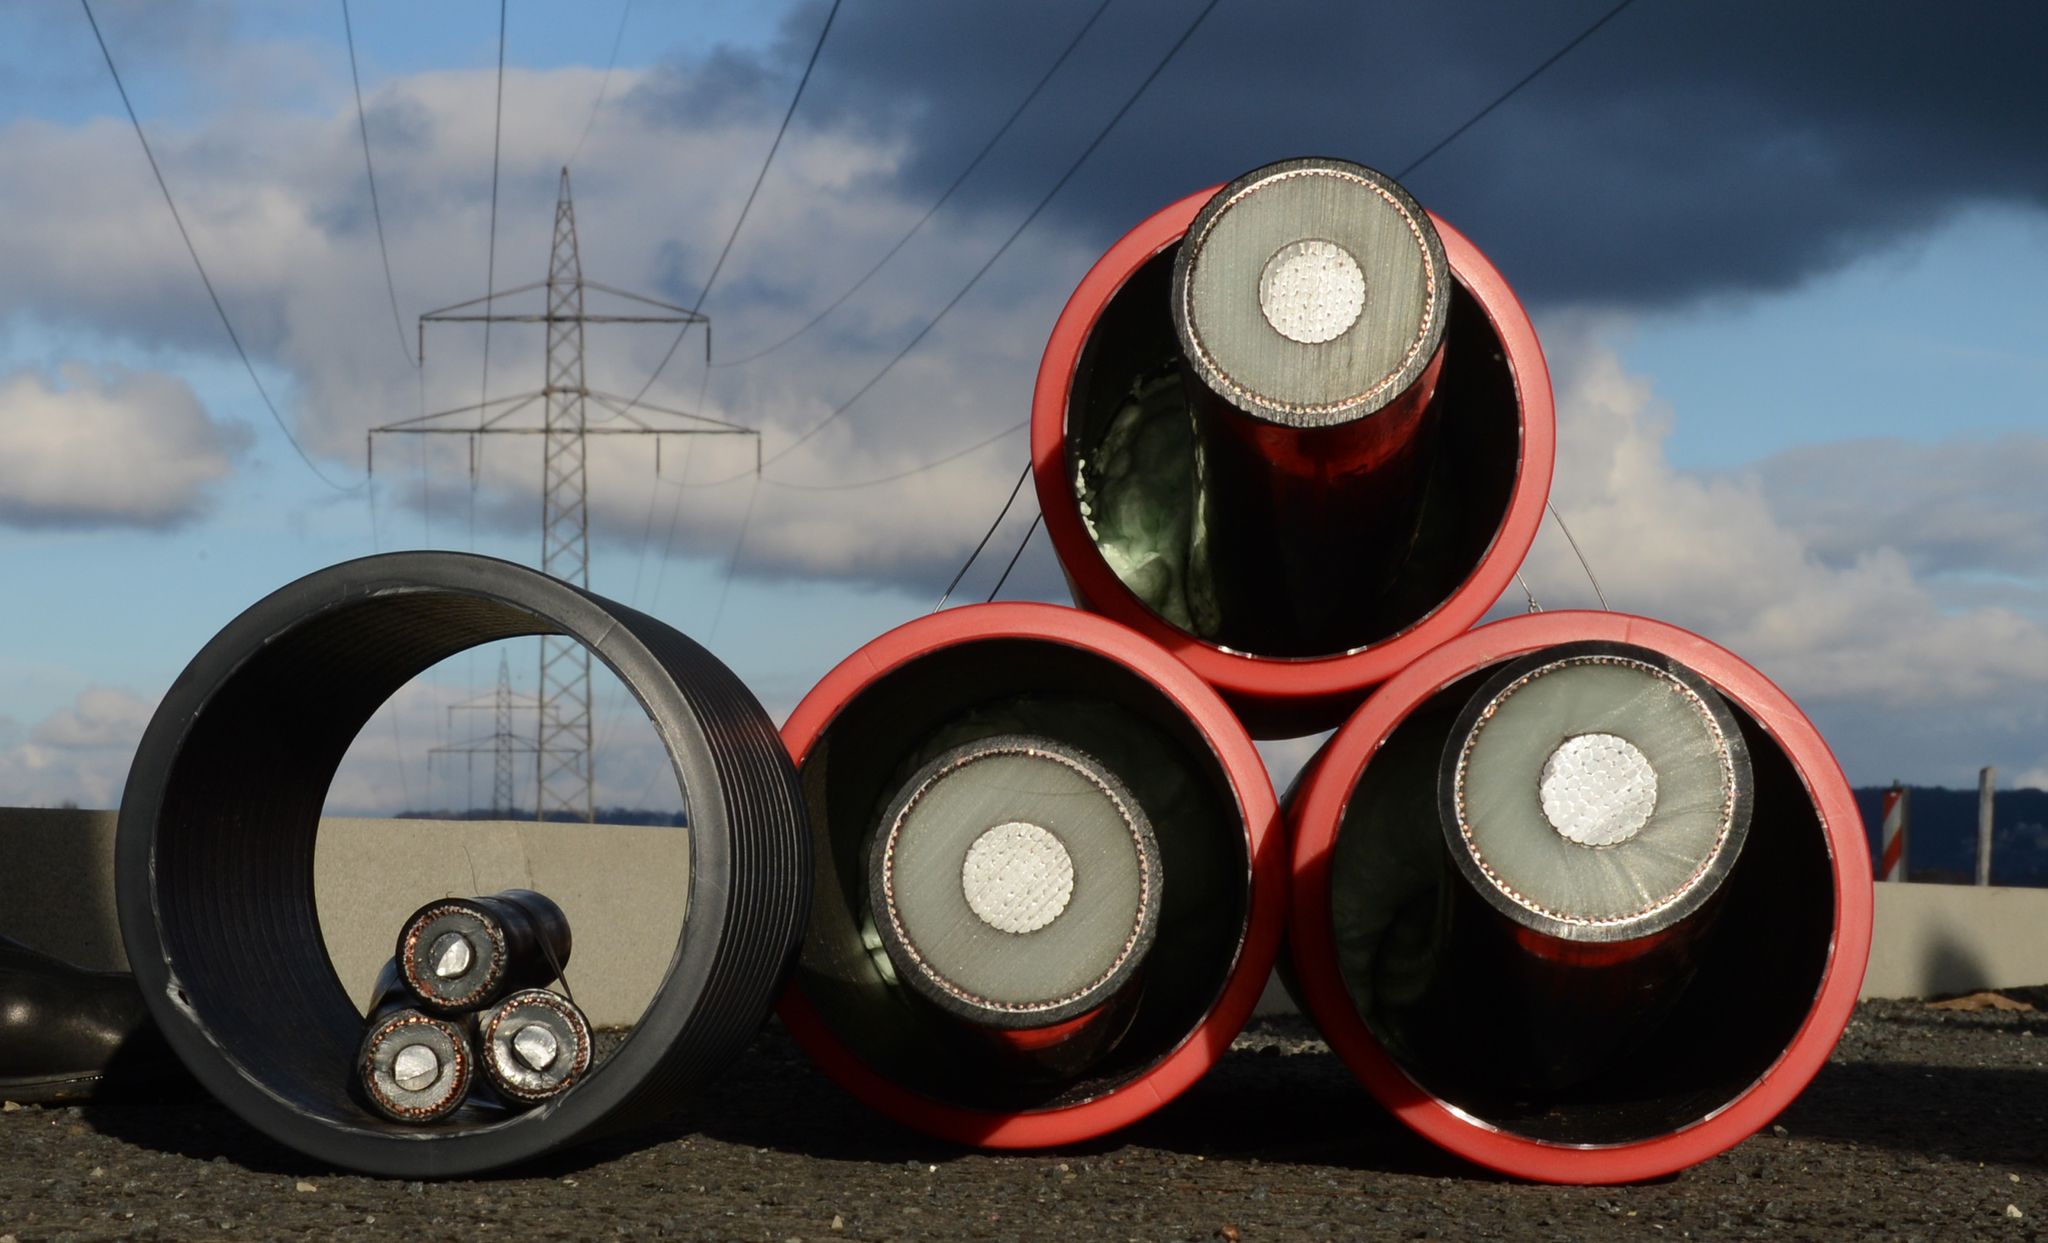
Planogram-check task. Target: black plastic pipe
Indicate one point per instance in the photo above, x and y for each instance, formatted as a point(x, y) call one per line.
point(214, 859)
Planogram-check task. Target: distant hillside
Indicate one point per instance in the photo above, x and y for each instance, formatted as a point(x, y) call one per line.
point(1941, 839)
point(605, 815)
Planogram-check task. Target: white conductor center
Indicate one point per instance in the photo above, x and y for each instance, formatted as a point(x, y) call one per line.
point(1017, 877)
point(1312, 291)
point(536, 1045)
point(1597, 789)
point(452, 956)
point(415, 1068)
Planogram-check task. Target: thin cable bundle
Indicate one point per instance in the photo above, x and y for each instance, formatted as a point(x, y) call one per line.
point(464, 993)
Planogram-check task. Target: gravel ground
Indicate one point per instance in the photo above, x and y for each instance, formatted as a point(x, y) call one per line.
point(1928, 1124)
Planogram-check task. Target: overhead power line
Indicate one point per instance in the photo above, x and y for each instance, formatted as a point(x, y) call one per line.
point(748, 206)
point(1022, 544)
point(788, 113)
point(732, 566)
point(1509, 93)
point(944, 195)
point(920, 469)
point(491, 247)
point(565, 777)
point(988, 535)
point(206, 280)
point(618, 38)
point(1009, 241)
point(370, 168)
point(1411, 166)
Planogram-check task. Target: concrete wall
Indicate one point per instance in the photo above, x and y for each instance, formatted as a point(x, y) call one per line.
point(1933, 939)
point(622, 888)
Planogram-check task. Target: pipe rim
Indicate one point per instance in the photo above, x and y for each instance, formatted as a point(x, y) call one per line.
point(1326, 789)
point(1265, 916)
point(1283, 685)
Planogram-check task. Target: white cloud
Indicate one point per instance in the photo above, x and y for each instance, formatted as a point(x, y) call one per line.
point(1766, 562)
point(101, 717)
point(108, 448)
point(277, 207)
point(1970, 516)
point(78, 754)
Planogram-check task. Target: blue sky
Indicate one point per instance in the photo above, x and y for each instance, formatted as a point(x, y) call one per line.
point(1799, 358)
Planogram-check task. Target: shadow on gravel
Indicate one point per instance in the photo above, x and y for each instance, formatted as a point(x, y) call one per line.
point(192, 1124)
point(1294, 1108)
point(1297, 1108)
point(1997, 1116)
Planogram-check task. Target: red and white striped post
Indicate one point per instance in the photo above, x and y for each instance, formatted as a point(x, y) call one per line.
point(1892, 856)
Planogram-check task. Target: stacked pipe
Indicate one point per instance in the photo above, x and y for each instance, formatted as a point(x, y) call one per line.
point(1050, 881)
point(1049, 867)
point(1579, 896)
point(1287, 436)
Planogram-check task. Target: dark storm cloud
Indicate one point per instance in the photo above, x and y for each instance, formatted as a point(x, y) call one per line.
point(1685, 149)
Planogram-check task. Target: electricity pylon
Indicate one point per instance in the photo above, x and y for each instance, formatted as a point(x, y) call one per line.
point(565, 773)
point(503, 743)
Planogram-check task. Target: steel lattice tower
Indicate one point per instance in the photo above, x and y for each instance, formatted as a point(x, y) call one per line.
point(565, 771)
point(504, 742)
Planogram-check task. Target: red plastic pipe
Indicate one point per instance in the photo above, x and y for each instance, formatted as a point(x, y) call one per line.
point(1139, 1095)
point(1318, 807)
point(1285, 697)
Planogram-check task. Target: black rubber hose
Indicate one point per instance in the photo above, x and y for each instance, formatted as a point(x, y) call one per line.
point(214, 859)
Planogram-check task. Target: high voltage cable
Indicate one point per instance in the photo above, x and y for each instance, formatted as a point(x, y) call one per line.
point(192, 250)
point(746, 207)
point(370, 168)
point(1022, 225)
point(958, 181)
point(617, 39)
